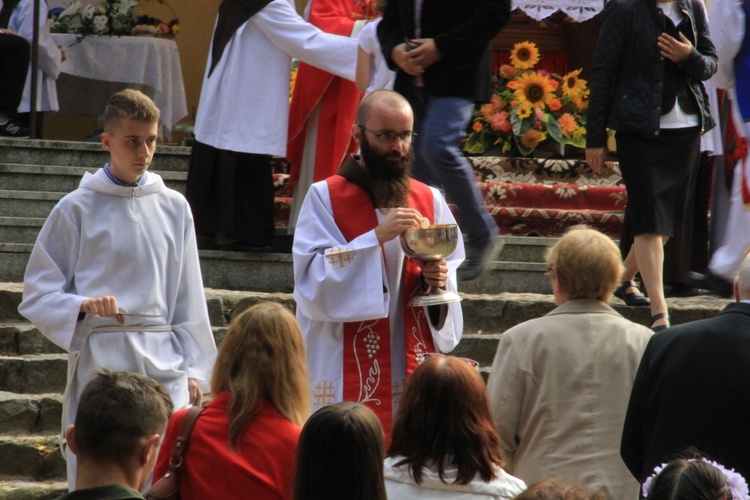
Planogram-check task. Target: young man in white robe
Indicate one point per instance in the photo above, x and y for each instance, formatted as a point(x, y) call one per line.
point(352, 280)
point(114, 276)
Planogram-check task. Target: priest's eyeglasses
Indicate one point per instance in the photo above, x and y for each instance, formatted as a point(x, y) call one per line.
point(387, 136)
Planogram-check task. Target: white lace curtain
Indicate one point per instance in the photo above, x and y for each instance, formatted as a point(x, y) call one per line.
point(579, 10)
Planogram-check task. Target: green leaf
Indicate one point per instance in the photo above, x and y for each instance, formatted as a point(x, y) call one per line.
point(553, 129)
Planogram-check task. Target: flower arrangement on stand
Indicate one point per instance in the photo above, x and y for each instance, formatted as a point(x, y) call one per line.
point(111, 18)
point(530, 109)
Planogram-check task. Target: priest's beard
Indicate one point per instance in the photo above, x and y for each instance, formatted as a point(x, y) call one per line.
point(388, 175)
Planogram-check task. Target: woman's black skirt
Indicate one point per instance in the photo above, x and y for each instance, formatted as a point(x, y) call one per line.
point(659, 175)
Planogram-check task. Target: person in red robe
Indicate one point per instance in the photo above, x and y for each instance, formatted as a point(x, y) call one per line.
point(323, 105)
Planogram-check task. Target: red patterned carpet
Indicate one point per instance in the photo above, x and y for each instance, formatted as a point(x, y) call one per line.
point(528, 196)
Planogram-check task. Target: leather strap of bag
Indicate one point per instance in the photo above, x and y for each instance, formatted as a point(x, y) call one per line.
point(167, 487)
point(175, 463)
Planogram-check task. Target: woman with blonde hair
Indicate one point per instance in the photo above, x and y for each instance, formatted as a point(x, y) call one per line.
point(245, 441)
point(444, 442)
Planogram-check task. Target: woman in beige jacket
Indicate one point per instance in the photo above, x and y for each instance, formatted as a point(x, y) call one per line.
point(560, 384)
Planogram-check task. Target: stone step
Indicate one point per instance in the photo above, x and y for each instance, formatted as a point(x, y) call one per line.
point(83, 154)
point(28, 203)
point(34, 373)
point(20, 338)
point(35, 458)
point(525, 248)
point(274, 273)
point(22, 230)
point(30, 414)
point(485, 315)
point(60, 179)
point(25, 490)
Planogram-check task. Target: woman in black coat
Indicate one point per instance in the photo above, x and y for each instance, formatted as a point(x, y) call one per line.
point(650, 60)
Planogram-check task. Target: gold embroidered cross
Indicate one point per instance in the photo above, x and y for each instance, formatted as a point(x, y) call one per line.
point(324, 394)
point(339, 257)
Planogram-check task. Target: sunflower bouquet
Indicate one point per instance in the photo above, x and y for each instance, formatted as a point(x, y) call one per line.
point(530, 108)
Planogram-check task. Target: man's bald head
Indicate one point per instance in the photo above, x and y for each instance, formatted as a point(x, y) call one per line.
point(387, 99)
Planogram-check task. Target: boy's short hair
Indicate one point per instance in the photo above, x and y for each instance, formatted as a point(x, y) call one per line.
point(116, 410)
point(130, 104)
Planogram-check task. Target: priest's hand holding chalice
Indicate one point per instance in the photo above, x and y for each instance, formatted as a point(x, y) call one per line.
point(429, 244)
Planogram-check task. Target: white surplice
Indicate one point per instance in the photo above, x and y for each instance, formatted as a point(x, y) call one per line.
point(138, 245)
point(368, 288)
point(244, 104)
point(50, 57)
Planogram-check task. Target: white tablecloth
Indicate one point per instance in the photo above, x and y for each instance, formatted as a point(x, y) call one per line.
point(150, 64)
point(579, 10)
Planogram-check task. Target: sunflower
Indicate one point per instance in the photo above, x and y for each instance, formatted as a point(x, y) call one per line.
point(572, 85)
point(532, 138)
point(524, 55)
point(533, 89)
point(523, 110)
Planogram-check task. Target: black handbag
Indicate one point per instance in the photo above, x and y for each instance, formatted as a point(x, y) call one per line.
point(168, 486)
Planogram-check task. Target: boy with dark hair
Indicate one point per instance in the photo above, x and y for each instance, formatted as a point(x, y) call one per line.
point(116, 434)
point(114, 277)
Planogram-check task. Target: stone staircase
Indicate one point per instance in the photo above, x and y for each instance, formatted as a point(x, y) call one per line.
point(35, 174)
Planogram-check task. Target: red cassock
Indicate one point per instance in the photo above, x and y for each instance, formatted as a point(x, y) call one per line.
point(338, 97)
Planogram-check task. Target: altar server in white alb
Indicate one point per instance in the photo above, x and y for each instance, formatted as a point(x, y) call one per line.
point(243, 116)
point(352, 280)
point(114, 277)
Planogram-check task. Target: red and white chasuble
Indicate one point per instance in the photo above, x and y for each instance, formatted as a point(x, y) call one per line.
point(362, 338)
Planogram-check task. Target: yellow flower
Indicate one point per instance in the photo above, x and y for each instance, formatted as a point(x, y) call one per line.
point(524, 55)
point(568, 124)
point(532, 138)
point(533, 89)
point(523, 110)
point(572, 85)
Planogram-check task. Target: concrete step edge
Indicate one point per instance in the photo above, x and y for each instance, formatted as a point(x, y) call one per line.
point(62, 170)
point(14, 194)
point(22, 221)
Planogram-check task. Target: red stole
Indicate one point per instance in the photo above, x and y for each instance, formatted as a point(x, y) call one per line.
point(367, 344)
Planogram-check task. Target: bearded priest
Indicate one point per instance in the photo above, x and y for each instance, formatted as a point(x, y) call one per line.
point(352, 280)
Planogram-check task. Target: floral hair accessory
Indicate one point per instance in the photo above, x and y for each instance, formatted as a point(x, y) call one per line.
point(736, 483)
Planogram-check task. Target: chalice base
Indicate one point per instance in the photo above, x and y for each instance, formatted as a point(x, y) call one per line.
point(435, 297)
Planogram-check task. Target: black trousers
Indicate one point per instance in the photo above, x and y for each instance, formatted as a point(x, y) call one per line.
point(231, 193)
point(14, 65)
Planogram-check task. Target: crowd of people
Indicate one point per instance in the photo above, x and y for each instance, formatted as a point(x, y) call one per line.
point(355, 397)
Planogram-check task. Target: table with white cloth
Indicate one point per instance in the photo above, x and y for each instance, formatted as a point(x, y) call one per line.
point(99, 66)
point(578, 10)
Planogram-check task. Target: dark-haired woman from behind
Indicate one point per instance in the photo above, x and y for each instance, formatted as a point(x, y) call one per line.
point(340, 455)
point(444, 443)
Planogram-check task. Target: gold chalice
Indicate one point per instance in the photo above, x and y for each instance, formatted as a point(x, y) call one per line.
point(433, 243)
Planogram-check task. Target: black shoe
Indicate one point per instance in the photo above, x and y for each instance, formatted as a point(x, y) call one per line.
point(676, 289)
point(713, 283)
point(656, 317)
point(632, 299)
point(13, 130)
point(478, 258)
